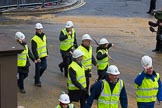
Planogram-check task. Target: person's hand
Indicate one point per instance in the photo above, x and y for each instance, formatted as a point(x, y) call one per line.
point(83, 89)
point(38, 60)
point(158, 102)
point(35, 61)
point(96, 65)
point(71, 52)
point(145, 69)
point(90, 73)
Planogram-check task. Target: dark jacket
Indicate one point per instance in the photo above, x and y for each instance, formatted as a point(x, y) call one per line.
point(93, 59)
point(75, 95)
point(34, 45)
point(93, 62)
point(22, 69)
point(98, 89)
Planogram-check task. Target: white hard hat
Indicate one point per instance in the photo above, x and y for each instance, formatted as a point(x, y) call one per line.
point(112, 69)
point(64, 98)
point(69, 24)
point(19, 35)
point(103, 41)
point(86, 37)
point(38, 26)
point(146, 61)
point(77, 53)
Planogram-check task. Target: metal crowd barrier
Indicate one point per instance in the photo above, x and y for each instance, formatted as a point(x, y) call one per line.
point(6, 4)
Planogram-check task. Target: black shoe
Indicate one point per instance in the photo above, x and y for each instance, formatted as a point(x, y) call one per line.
point(38, 85)
point(155, 50)
point(22, 91)
point(61, 68)
point(160, 52)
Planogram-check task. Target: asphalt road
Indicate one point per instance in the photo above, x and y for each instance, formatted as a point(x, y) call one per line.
point(123, 23)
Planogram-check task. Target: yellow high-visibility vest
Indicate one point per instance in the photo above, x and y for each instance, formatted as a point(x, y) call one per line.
point(69, 42)
point(102, 64)
point(41, 46)
point(80, 76)
point(147, 91)
point(87, 57)
point(108, 99)
point(22, 58)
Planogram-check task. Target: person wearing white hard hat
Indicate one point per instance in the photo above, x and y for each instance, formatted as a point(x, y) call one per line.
point(23, 61)
point(76, 79)
point(40, 52)
point(109, 91)
point(64, 102)
point(148, 85)
point(103, 57)
point(88, 58)
point(68, 43)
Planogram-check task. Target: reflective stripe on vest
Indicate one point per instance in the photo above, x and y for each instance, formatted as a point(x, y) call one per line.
point(108, 99)
point(147, 91)
point(41, 46)
point(80, 76)
point(69, 42)
point(69, 106)
point(22, 58)
point(102, 64)
point(87, 57)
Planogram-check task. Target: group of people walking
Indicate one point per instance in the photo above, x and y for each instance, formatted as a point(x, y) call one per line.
point(76, 64)
point(109, 88)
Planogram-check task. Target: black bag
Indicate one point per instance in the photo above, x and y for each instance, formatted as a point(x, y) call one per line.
point(92, 87)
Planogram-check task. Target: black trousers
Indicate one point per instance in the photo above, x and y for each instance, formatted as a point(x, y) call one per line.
point(78, 96)
point(101, 74)
point(152, 5)
point(40, 67)
point(21, 79)
point(67, 59)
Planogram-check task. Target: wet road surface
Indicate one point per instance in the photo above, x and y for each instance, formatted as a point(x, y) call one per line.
point(130, 35)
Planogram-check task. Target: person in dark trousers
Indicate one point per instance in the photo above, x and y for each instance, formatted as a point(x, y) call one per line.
point(109, 91)
point(103, 57)
point(152, 6)
point(77, 80)
point(88, 58)
point(148, 85)
point(67, 44)
point(40, 52)
point(23, 61)
point(158, 35)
